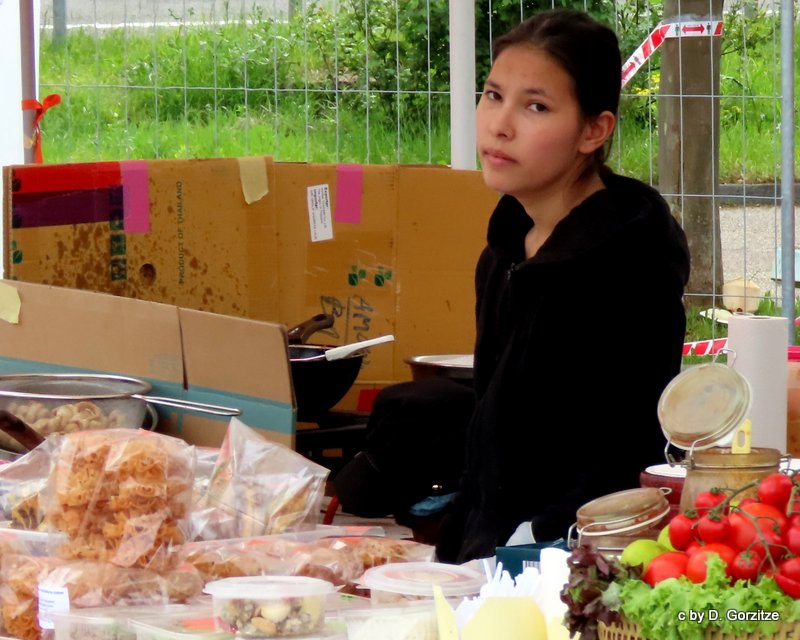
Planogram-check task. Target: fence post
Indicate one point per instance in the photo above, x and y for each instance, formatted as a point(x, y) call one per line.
point(59, 22)
point(688, 144)
point(27, 41)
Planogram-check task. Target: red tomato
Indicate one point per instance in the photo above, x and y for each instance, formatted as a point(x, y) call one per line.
point(668, 565)
point(696, 568)
point(680, 531)
point(745, 566)
point(769, 541)
point(790, 587)
point(792, 539)
point(712, 529)
point(775, 489)
point(769, 517)
point(791, 568)
point(741, 531)
point(706, 500)
point(693, 547)
point(794, 517)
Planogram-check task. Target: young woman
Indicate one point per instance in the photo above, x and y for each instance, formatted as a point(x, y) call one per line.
point(580, 318)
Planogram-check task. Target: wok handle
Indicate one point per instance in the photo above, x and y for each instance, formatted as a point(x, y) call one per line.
point(200, 407)
point(300, 333)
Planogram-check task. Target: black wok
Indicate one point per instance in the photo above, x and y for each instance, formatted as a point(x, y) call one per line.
point(318, 383)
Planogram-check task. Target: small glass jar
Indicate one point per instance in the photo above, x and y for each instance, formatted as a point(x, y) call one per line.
point(611, 522)
point(700, 411)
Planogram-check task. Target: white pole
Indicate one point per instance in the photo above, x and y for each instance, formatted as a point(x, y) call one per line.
point(462, 84)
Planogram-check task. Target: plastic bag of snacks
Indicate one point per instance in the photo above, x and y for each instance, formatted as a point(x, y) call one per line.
point(262, 486)
point(21, 481)
point(79, 585)
point(19, 593)
point(121, 496)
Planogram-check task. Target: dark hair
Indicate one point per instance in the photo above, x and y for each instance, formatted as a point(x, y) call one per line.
point(586, 49)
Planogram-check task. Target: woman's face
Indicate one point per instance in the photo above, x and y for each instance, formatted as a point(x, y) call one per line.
point(529, 125)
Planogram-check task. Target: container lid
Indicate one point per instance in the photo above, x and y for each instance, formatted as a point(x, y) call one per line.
point(179, 627)
point(418, 578)
point(703, 404)
point(257, 587)
point(622, 512)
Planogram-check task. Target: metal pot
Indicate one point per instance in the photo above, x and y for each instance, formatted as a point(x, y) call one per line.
point(318, 383)
point(457, 367)
point(54, 403)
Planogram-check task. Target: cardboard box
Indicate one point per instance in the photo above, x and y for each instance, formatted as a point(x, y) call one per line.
point(185, 354)
point(385, 248)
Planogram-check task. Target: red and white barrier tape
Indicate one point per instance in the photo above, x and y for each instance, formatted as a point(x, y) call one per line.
point(661, 33)
point(704, 347)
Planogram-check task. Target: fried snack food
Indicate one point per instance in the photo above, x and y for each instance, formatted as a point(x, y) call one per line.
point(120, 495)
point(19, 600)
point(63, 418)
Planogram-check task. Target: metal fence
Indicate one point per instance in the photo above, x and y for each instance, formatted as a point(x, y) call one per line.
point(368, 81)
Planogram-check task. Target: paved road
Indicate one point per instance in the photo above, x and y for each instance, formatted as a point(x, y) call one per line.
point(119, 12)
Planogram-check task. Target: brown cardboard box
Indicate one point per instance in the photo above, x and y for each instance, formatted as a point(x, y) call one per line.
point(185, 354)
point(400, 255)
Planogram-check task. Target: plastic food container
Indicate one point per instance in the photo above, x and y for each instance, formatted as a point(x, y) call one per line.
point(416, 621)
point(110, 623)
point(269, 606)
point(184, 626)
point(410, 581)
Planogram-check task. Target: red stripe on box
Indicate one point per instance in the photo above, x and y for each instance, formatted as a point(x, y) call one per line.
point(65, 177)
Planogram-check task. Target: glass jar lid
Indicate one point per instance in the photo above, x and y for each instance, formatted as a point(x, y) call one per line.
point(703, 405)
point(626, 511)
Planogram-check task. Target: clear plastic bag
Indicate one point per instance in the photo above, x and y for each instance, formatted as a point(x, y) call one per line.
point(121, 496)
point(260, 487)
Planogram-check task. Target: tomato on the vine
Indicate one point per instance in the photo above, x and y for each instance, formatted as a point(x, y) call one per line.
point(769, 542)
point(680, 531)
point(790, 587)
point(707, 500)
point(711, 529)
point(791, 568)
point(668, 565)
point(775, 489)
point(768, 516)
point(792, 539)
point(745, 566)
point(697, 569)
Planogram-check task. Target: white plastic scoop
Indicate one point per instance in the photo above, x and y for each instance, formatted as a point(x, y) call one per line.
point(347, 349)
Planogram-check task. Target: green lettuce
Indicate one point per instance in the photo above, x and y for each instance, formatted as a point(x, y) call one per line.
point(664, 611)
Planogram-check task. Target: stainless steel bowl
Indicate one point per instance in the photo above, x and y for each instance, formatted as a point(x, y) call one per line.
point(457, 367)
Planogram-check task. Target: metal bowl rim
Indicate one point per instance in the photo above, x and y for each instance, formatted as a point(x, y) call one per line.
point(142, 387)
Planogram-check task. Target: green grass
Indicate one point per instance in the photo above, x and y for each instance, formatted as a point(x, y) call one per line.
point(123, 97)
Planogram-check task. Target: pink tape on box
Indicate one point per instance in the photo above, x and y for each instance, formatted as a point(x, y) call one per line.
point(135, 196)
point(349, 185)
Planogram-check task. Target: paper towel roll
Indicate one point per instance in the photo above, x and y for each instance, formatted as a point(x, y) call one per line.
point(760, 344)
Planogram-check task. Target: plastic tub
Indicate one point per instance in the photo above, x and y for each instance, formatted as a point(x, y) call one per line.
point(410, 581)
point(185, 626)
point(416, 621)
point(269, 606)
point(109, 623)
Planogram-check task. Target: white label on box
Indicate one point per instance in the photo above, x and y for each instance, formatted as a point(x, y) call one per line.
point(319, 213)
point(52, 600)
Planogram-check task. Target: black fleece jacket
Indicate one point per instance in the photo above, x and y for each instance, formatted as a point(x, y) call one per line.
point(574, 347)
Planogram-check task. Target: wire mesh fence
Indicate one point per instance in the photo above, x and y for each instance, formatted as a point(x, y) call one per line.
point(367, 81)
